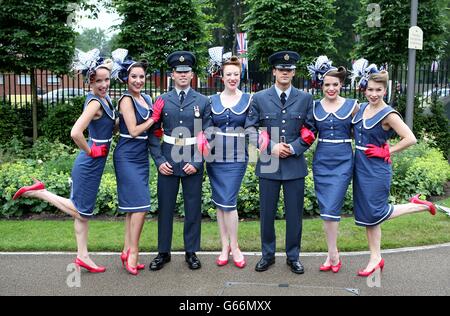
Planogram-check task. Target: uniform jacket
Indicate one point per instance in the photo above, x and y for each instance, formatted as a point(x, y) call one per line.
point(267, 111)
point(176, 119)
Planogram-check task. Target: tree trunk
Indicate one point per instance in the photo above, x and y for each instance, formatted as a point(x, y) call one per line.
point(34, 102)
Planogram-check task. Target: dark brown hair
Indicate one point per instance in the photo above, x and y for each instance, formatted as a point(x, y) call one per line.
point(340, 73)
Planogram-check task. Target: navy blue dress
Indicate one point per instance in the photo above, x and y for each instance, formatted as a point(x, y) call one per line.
point(87, 172)
point(131, 162)
point(333, 158)
point(372, 176)
point(230, 152)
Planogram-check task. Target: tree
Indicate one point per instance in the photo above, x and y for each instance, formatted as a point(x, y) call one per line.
point(229, 16)
point(347, 13)
point(154, 29)
point(383, 30)
point(36, 35)
point(93, 38)
point(304, 26)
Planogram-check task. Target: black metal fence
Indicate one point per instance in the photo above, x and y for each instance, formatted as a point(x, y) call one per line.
point(15, 90)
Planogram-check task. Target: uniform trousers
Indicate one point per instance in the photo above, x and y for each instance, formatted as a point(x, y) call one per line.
point(168, 187)
point(293, 191)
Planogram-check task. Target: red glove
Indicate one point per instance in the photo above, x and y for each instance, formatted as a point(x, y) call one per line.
point(157, 109)
point(380, 152)
point(98, 151)
point(202, 144)
point(307, 136)
point(159, 132)
point(263, 141)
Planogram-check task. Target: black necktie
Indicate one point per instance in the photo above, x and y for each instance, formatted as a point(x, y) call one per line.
point(283, 98)
point(182, 94)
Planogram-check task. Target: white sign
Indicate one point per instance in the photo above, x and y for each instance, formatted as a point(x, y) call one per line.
point(415, 38)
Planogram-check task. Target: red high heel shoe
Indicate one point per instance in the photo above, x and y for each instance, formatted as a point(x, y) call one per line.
point(380, 266)
point(240, 264)
point(131, 270)
point(337, 267)
point(124, 258)
point(416, 200)
point(38, 185)
point(325, 268)
point(80, 263)
point(222, 263)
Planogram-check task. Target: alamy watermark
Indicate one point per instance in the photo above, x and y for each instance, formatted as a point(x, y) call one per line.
point(374, 18)
point(74, 278)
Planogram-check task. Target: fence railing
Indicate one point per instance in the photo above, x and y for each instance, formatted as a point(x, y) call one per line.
point(15, 90)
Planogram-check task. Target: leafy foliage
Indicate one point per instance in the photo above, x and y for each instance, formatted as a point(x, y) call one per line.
point(388, 43)
point(154, 29)
point(302, 26)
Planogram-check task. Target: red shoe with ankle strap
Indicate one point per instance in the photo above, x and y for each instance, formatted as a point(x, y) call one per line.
point(80, 263)
point(337, 267)
point(131, 270)
point(124, 258)
point(38, 185)
point(431, 207)
point(240, 264)
point(222, 263)
point(380, 265)
point(325, 268)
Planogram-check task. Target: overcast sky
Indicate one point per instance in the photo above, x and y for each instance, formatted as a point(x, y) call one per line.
point(105, 21)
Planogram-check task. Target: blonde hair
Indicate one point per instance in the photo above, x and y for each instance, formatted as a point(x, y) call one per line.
point(233, 61)
point(107, 64)
point(381, 77)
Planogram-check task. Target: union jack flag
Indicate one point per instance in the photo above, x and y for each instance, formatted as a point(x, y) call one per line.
point(242, 49)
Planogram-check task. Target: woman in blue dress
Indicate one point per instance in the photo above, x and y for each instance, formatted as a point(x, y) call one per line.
point(374, 124)
point(99, 118)
point(227, 168)
point(131, 156)
point(333, 158)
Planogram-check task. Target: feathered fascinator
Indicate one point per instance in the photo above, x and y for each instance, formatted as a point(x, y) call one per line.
point(89, 62)
point(319, 69)
point(122, 64)
point(217, 58)
point(362, 70)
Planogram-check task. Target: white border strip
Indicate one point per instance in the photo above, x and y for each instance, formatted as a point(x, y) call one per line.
point(278, 254)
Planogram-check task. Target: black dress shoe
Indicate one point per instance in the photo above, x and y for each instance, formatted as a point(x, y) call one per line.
point(161, 259)
point(192, 261)
point(264, 264)
point(296, 266)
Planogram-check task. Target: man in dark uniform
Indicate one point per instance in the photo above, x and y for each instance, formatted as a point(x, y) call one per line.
point(186, 114)
point(279, 113)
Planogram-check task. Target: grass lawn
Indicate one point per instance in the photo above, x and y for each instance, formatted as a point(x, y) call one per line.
point(406, 231)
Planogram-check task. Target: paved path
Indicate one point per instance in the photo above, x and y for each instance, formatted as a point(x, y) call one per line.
point(409, 271)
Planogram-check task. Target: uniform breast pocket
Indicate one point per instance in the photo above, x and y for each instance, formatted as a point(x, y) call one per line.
point(268, 119)
point(296, 118)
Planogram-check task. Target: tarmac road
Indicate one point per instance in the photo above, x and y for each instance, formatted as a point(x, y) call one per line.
point(409, 271)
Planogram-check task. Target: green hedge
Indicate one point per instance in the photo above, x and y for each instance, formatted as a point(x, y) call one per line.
point(420, 169)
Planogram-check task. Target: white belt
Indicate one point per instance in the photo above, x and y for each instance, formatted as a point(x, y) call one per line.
point(180, 141)
point(335, 141)
point(129, 136)
point(230, 134)
point(101, 140)
point(361, 148)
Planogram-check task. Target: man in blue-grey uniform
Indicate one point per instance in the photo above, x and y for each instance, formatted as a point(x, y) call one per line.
point(179, 158)
point(275, 119)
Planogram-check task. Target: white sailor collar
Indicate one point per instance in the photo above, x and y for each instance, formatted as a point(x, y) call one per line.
point(108, 108)
point(143, 112)
point(377, 118)
point(240, 108)
point(342, 113)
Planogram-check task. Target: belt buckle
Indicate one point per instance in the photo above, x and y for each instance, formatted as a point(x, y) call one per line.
point(179, 141)
point(282, 139)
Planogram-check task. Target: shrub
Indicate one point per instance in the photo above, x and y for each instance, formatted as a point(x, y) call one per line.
point(10, 124)
point(60, 119)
